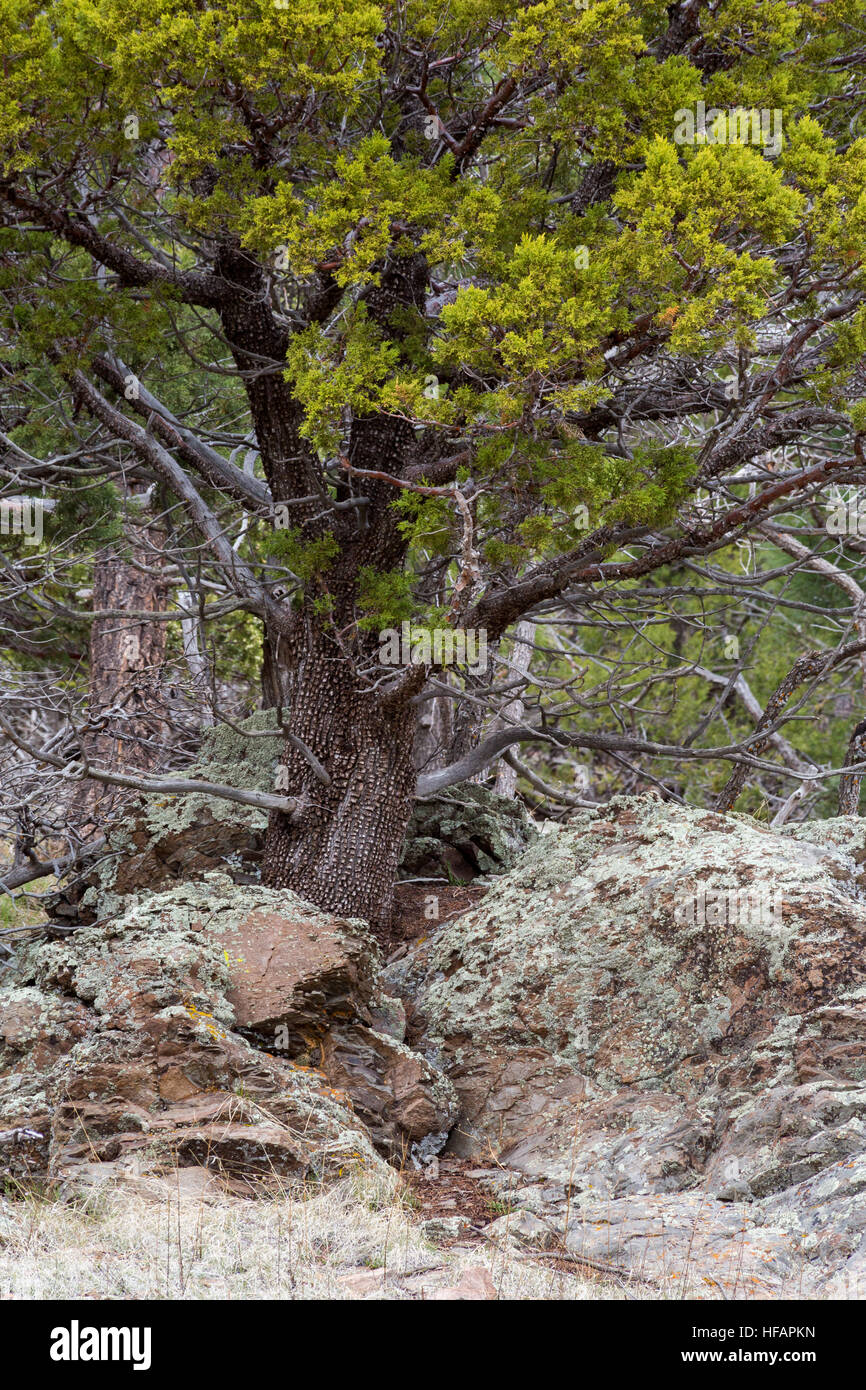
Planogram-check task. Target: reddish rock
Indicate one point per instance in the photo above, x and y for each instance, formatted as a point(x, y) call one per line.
point(300, 971)
point(474, 1285)
point(144, 1061)
point(213, 1024)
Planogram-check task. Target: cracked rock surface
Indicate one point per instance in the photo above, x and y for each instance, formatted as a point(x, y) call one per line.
point(225, 1025)
point(661, 1011)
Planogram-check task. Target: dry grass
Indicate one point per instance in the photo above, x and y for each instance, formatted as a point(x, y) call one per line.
point(151, 1239)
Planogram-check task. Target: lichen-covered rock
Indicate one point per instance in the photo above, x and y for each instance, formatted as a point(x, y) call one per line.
point(162, 839)
point(464, 831)
point(37, 1030)
point(826, 1215)
point(656, 1000)
point(142, 1036)
point(306, 983)
point(845, 838)
point(711, 1249)
point(685, 1242)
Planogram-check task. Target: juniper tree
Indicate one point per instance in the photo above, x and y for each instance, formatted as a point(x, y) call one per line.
point(493, 324)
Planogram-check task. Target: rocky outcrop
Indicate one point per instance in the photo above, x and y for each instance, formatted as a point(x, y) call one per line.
point(655, 1024)
point(464, 831)
point(210, 1024)
point(659, 1020)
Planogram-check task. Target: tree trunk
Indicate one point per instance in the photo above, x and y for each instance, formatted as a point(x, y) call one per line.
point(195, 655)
point(521, 659)
point(849, 782)
point(342, 850)
point(434, 734)
point(127, 718)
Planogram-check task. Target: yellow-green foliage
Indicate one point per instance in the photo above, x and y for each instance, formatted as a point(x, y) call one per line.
point(277, 131)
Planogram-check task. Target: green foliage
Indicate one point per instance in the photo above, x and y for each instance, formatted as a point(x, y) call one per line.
point(662, 475)
point(384, 598)
point(357, 208)
point(328, 376)
point(301, 135)
point(308, 560)
point(427, 523)
point(93, 514)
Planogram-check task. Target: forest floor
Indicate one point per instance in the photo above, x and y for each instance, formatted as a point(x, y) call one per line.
point(421, 907)
point(175, 1237)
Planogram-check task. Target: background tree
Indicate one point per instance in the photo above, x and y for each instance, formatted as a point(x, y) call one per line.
point(424, 313)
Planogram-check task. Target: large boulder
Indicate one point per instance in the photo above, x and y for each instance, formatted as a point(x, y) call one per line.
point(211, 1024)
point(660, 1002)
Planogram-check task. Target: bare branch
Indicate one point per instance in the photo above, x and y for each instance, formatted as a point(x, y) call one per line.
point(265, 801)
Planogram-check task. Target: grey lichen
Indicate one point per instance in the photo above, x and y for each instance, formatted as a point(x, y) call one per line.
point(488, 831)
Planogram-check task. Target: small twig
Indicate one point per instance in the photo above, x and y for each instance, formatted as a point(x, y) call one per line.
point(598, 1265)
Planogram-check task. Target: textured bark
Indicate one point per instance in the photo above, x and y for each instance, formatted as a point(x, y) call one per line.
point(343, 849)
point(126, 726)
point(521, 659)
point(849, 782)
point(434, 735)
point(340, 850)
